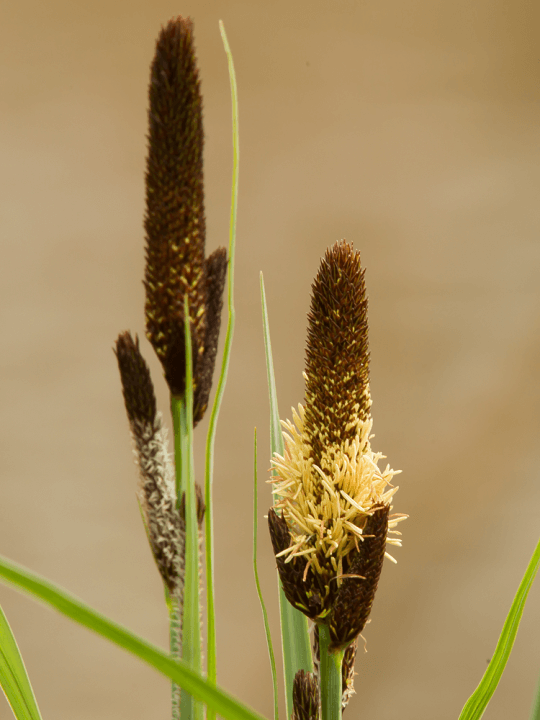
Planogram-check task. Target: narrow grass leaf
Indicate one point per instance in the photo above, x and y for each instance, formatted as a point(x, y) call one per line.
point(211, 436)
point(13, 677)
point(295, 640)
point(257, 583)
point(535, 710)
point(477, 703)
point(276, 436)
point(195, 684)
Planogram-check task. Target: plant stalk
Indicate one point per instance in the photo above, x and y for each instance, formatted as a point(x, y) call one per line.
point(330, 676)
point(182, 413)
point(175, 645)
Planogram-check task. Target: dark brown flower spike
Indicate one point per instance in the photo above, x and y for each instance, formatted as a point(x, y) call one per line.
point(137, 386)
point(175, 221)
point(337, 355)
point(330, 522)
point(305, 696)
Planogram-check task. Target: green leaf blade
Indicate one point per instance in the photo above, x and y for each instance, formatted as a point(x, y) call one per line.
point(296, 645)
point(211, 436)
point(475, 706)
point(13, 676)
point(276, 436)
point(193, 683)
point(258, 584)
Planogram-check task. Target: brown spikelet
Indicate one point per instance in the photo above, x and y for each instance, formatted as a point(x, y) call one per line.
point(216, 271)
point(337, 355)
point(356, 594)
point(175, 221)
point(347, 674)
point(304, 589)
point(201, 508)
point(137, 386)
point(305, 696)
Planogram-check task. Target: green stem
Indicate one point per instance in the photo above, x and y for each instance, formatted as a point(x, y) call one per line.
point(330, 676)
point(175, 646)
point(182, 412)
point(176, 405)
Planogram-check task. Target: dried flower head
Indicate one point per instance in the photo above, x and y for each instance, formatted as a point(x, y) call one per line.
point(157, 495)
point(175, 223)
point(163, 516)
point(331, 517)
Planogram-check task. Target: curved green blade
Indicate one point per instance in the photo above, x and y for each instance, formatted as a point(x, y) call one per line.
point(211, 663)
point(224, 704)
point(477, 703)
point(13, 677)
point(258, 584)
point(295, 640)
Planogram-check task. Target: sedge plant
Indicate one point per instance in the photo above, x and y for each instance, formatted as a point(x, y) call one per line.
point(331, 519)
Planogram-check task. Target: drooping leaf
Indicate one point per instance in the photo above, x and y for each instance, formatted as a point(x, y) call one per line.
point(193, 683)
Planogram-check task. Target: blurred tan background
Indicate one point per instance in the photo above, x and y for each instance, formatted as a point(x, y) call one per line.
point(408, 128)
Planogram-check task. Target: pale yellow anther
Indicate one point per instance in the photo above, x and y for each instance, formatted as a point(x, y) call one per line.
point(327, 506)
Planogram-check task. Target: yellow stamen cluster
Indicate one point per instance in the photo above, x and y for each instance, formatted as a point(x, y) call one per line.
point(326, 507)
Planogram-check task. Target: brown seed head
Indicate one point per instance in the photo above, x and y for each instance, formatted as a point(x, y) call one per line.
point(337, 355)
point(137, 386)
point(175, 221)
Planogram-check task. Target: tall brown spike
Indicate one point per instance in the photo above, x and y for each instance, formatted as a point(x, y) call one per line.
point(337, 354)
point(175, 222)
